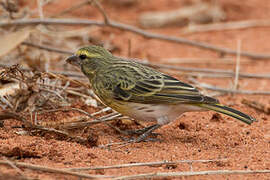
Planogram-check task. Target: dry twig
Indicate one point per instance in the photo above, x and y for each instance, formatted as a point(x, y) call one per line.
point(101, 10)
point(237, 66)
point(215, 88)
point(190, 173)
point(55, 170)
point(227, 26)
point(159, 163)
point(76, 6)
point(125, 27)
point(103, 119)
point(198, 13)
point(226, 73)
point(258, 106)
point(16, 168)
point(12, 115)
point(46, 48)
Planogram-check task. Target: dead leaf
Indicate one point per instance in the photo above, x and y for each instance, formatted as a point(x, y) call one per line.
point(9, 89)
point(12, 40)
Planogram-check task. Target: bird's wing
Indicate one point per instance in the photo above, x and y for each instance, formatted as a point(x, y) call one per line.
point(141, 84)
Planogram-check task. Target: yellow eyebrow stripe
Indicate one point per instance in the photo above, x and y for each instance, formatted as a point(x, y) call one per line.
point(89, 55)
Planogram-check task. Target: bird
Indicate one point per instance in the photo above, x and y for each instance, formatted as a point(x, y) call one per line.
point(141, 92)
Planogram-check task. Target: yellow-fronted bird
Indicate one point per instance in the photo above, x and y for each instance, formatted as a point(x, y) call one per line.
point(141, 92)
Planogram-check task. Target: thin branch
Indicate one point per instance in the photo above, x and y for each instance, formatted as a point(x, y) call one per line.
point(12, 115)
point(63, 133)
point(76, 109)
point(109, 145)
point(125, 27)
point(54, 170)
point(265, 108)
point(40, 8)
point(250, 92)
point(190, 173)
point(101, 10)
point(110, 116)
point(106, 109)
point(76, 6)
point(16, 168)
point(6, 102)
point(159, 163)
point(78, 94)
point(178, 68)
point(237, 66)
point(215, 88)
point(73, 73)
point(208, 75)
point(204, 70)
point(53, 92)
point(199, 60)
point(227, 26)
point(209, 72)
point(102, 119)
point(47, 48)
point(59, 76)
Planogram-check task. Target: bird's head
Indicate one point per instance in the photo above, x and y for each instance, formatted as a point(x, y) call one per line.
point(90, 59)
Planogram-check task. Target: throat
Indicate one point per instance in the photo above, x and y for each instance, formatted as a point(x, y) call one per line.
point(87, 73)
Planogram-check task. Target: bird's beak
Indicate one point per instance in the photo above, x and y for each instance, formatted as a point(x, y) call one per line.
point(74, 60)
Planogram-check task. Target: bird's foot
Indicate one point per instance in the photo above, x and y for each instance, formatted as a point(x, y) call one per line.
point(141, 131)
point(144, 133)
point(142, 139)
point(138, 139)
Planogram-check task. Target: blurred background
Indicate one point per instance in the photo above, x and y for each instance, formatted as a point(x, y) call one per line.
point(219, 46)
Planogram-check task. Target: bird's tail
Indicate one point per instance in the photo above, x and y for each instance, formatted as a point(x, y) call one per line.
point(229, 111)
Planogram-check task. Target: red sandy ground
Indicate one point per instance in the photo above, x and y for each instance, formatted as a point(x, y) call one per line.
point(194, 135)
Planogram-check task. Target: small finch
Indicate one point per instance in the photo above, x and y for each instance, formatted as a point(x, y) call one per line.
point(141, 92)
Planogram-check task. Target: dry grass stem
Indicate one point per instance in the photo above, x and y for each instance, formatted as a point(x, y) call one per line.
point(159, 163)
point(237, 65)
point(163, 66)
point(193, 28)
point(189, 173)
point(125, 27)
point(225, 90)
point(198, 13)
point(55, 170)
point(265, 108)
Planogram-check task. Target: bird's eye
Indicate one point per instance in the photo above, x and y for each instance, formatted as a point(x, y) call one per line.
point(82, 56)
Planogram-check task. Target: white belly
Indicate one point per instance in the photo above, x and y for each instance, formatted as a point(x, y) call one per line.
point(162, 114)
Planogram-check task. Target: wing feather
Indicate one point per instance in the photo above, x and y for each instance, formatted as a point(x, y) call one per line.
point(140, 84)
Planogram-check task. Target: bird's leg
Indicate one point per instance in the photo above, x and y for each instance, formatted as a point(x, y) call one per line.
point(149, 131)
point(139, 131)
